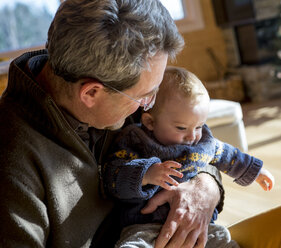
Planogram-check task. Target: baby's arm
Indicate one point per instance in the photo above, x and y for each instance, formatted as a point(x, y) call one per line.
point(265, 179)
point(231, 161)
point(160, 174)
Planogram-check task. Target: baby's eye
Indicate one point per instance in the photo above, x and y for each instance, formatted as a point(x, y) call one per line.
point(199, 127)
point(181, 128)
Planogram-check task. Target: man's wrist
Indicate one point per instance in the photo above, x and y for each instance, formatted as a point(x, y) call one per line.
point(210, 185)
point(214, 178)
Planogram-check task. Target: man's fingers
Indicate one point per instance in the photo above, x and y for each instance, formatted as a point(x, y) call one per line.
point(157, 200)
point(173, 233)
point(201, 240)
point(182, 237)
point(189, 239)
point(165, 234)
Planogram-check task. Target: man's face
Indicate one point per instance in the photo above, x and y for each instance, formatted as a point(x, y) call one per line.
point(111, 112)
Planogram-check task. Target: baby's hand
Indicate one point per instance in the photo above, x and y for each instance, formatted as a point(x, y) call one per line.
point(159, 174)
point(265, 179)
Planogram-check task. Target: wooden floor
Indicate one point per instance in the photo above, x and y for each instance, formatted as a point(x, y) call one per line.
point(263, 131)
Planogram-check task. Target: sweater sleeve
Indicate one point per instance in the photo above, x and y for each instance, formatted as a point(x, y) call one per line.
point(226, 158)
point(124, 170)
point(123, 177)
point(238, 165)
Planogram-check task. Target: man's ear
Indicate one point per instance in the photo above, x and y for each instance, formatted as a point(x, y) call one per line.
point(147, 120)
point(89, 93)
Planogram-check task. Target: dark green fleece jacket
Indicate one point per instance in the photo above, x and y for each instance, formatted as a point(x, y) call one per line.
point(48, 176)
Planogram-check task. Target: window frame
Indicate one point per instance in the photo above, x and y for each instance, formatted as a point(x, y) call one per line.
point(194, 17)
point(11, 54)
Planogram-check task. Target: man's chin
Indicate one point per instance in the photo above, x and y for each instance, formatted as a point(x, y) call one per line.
point(116, 126)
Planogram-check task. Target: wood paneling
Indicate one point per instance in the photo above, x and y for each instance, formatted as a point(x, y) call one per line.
point(3, 83)
point(194, 56)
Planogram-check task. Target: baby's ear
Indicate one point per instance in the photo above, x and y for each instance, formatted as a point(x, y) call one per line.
point(147, 120)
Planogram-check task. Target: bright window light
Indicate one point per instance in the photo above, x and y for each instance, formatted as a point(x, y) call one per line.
point(25, 23)
point(175, 7)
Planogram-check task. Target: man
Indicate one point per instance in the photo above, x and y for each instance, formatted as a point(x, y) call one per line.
point(104, 59)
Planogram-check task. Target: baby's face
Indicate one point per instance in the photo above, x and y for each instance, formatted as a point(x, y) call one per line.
point(180, 122)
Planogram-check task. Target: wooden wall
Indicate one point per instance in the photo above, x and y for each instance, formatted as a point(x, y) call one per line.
point(194, 56)
point(3, 83)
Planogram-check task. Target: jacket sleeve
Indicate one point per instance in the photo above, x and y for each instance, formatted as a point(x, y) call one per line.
point(24, 216)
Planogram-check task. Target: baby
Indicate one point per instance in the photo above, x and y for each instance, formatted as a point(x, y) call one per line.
point(171, 146)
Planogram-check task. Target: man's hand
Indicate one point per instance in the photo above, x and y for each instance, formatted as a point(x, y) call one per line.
point(191, 208)
point(160, 174)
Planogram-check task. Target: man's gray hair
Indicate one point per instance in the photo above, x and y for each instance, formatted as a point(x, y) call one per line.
point(110, 40)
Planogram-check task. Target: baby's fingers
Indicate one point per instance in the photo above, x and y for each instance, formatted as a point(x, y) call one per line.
point(173, 172)
point(166, 186)
point(266, 184)
point(171, 164)
point(171, 181)
point(269, 184)
point(265, 179)
point(168, 182)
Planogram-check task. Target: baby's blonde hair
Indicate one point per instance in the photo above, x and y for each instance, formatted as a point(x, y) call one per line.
point(182, 82)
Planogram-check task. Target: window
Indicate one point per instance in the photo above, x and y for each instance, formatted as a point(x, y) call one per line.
point(24, 25)
point(175, 8)
point(186, 13)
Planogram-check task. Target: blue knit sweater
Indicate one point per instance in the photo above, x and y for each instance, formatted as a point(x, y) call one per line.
point(136, 150)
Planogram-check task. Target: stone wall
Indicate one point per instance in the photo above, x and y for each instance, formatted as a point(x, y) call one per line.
point(259, 82)
point(266, 8)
